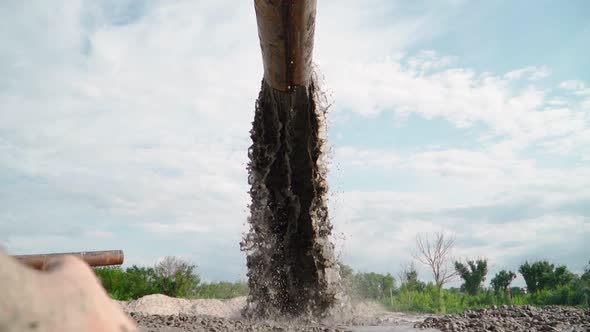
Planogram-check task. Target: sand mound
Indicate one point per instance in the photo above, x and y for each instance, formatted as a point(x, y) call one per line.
point(158, 304)
point(217, 308)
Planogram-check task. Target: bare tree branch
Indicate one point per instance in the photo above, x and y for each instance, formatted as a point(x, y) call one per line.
point(435, 253)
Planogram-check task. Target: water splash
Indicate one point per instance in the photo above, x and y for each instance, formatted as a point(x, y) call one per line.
point(292, 271)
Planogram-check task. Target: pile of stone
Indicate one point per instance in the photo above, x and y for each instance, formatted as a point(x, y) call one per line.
point(513, 318)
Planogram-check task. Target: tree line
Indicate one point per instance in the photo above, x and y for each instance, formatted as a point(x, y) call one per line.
point(172, 276)
point(546, 283)
point(549, 285)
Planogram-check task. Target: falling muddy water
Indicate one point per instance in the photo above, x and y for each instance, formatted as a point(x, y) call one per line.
point(291, 266)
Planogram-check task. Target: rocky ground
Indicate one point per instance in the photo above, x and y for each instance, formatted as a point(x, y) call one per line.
point(159, 313)
point(182, 323)
point(512, 318)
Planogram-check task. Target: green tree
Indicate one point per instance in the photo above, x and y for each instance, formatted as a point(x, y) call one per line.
point(586, 275)
point(128, 284)
point(584, 286)
point(543, 275)
point(502, 280)
point(408, 277)
point(535, 275)
point(473, 275)
point(365, 286)
point(112, 279)
point(176, 277)
point(139, 281)
point(561, 276)
point(373, 285)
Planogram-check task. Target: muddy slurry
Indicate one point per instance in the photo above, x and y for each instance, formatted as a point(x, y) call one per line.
point(292, 270)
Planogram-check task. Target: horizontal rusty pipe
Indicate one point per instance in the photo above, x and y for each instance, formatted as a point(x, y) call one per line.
point(286, 30)
point(92, 258)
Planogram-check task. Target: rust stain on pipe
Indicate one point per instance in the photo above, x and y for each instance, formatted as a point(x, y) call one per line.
point(286, 30)
point(92, 258)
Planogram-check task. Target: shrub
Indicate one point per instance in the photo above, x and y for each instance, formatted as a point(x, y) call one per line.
point(222, 290)
point(172, 277)
point(130, 284)
point(175, 277)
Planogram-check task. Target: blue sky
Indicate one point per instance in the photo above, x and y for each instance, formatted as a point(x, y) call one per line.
point(124, 125)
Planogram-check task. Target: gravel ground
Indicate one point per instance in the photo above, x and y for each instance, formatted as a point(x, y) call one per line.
point(512, 318)
point(182, 323)
point(159, 323)
point(159, 313)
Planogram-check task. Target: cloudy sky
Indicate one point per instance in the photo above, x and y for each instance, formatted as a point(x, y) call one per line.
point(124, 125)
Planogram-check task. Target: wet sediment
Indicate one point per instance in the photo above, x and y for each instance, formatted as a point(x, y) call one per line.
point(290, 259)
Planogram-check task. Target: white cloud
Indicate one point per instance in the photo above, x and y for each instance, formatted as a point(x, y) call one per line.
point(486, 172)
point(151, 121)
point(462, 96)
point(531, 73)
point(145, 115)
point(572, 85)
point(181, 228)
point(464, 165)
point(99, 234)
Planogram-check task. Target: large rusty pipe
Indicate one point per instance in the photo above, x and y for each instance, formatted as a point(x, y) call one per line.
point(286, 30)
point(92, 258)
